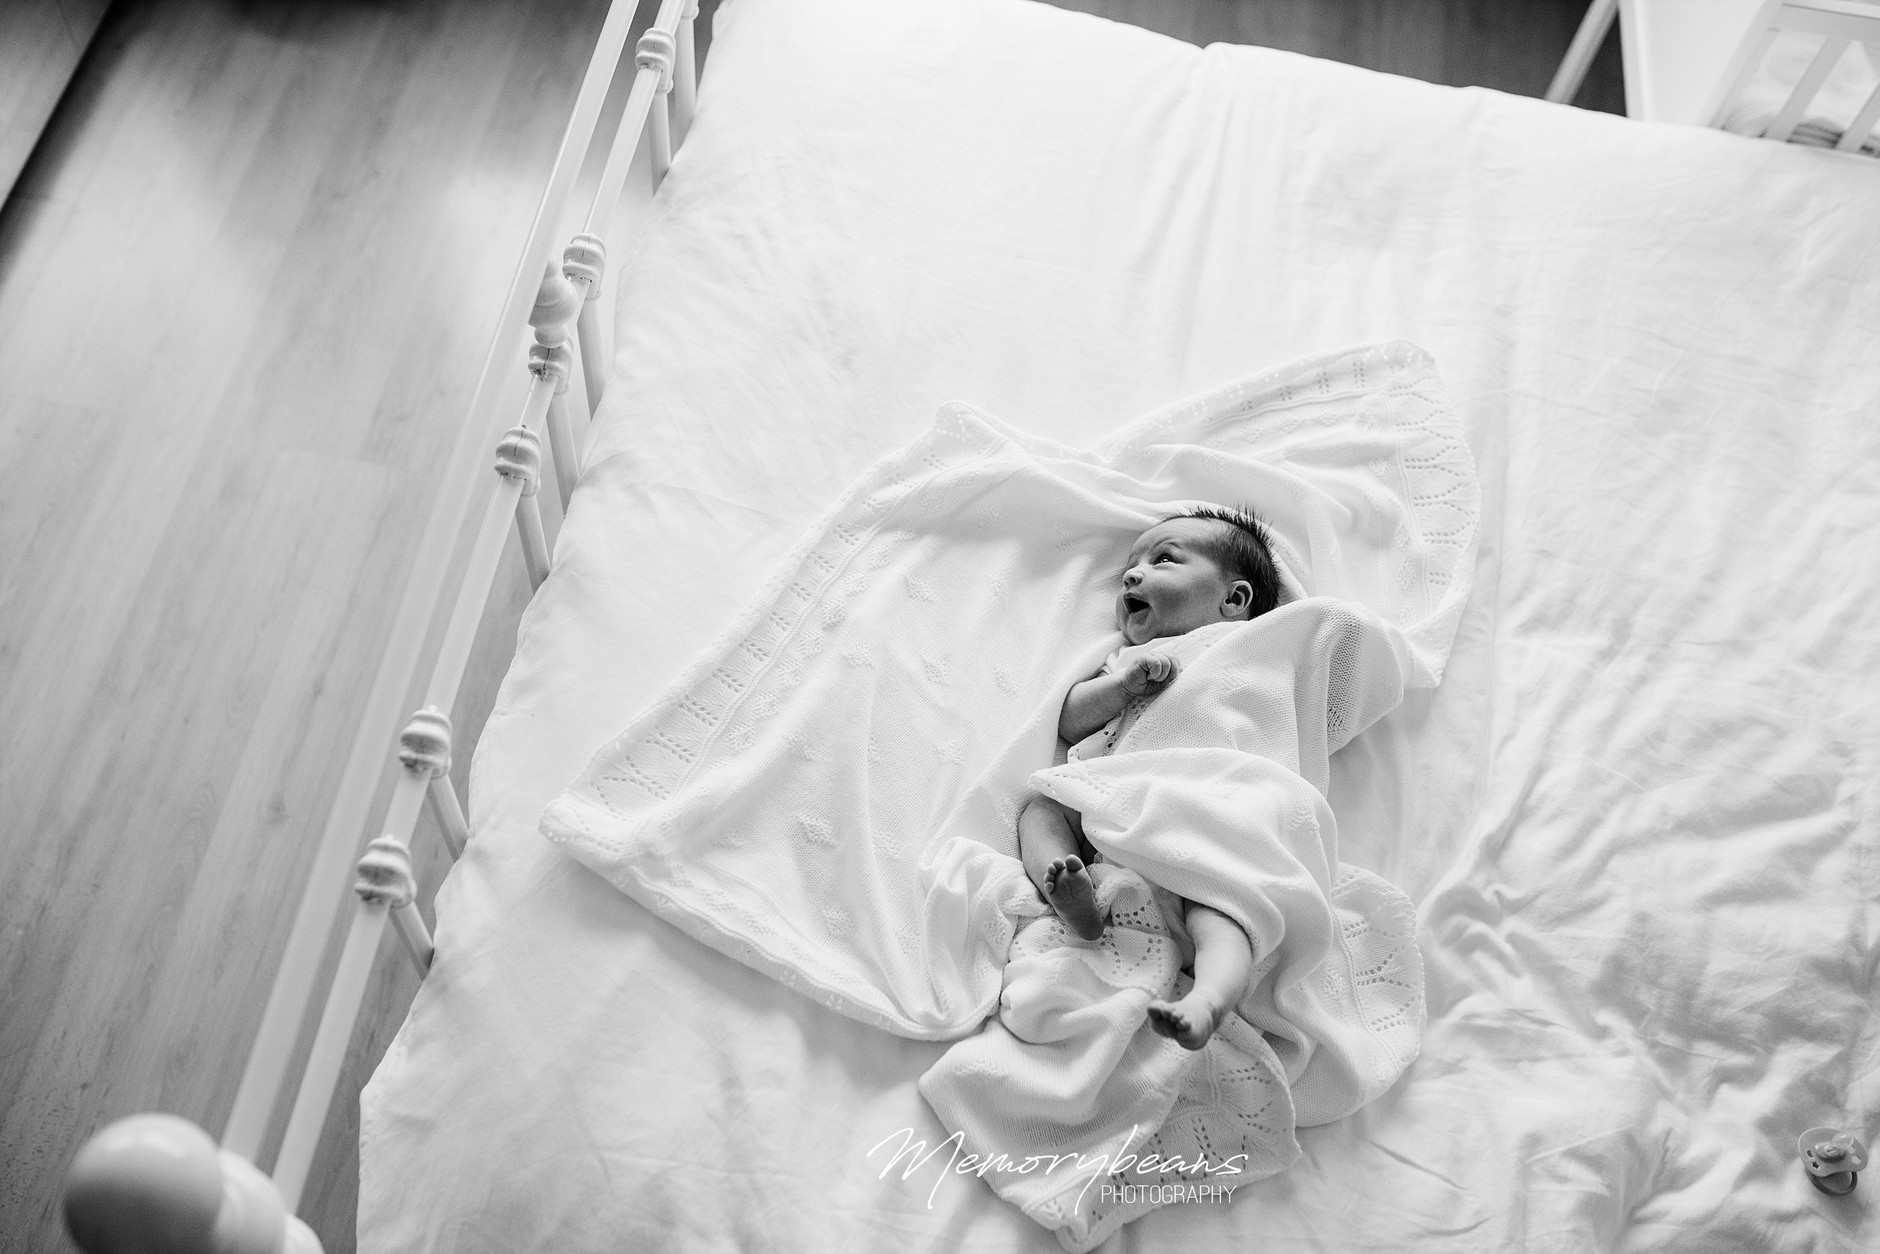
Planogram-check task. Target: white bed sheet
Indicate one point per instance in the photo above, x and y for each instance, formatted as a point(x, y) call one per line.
point(1638, 817)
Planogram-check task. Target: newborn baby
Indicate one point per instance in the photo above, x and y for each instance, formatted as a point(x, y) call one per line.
point(1208, 565)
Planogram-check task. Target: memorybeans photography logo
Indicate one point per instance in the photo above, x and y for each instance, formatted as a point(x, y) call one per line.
point(912, 1155)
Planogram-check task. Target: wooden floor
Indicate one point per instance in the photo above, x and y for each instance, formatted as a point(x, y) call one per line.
point(246, 280)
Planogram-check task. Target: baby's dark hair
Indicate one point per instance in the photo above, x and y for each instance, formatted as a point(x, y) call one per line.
point(1242, 549)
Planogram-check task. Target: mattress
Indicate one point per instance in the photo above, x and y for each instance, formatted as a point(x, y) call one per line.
point(1638, 818)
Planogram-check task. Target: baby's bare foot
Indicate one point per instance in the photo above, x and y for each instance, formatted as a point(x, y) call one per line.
point(1068, 887)
point(1189, 1022)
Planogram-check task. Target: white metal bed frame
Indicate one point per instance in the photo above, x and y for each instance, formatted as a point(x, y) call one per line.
point(158, 1171)
point(152, 1173)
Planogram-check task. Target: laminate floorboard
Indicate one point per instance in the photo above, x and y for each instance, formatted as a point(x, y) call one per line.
point(246, 281)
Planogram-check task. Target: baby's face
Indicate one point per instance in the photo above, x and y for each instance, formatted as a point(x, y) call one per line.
point(1171, 587)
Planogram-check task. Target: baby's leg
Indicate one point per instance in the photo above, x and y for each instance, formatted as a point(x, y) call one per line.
point(1047, 844)
point(1223, 960)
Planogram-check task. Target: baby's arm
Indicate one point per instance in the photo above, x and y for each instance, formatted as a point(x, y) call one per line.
point(1097, 700)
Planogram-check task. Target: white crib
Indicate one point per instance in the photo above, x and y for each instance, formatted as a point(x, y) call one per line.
point(1317, 164)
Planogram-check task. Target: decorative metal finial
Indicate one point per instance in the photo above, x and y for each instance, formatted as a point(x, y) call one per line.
point(384, 873)
point(519, 456)
point(552, 361)
point(585, 258)
point(656, 51)
point(424, 745)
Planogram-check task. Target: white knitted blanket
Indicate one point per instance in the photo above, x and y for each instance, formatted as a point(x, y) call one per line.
point(830, 793)
point(1215, 793)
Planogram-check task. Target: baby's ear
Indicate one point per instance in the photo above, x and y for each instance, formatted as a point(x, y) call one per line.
point(1239, 599)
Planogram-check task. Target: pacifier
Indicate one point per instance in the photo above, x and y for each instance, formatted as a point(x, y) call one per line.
point(1833, 1158)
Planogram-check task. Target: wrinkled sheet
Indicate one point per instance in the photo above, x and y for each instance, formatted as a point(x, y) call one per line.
point(1638, 817)
point(793, 799)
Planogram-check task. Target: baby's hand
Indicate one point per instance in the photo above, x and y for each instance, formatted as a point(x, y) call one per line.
point(1149, 675)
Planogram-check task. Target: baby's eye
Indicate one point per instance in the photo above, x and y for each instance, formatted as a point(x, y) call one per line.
point(1164, 557)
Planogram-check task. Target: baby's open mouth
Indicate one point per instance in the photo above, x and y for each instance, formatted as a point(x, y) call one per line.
point(1133, 604)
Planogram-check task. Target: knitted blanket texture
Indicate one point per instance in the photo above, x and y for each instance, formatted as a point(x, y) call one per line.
point(830, 793)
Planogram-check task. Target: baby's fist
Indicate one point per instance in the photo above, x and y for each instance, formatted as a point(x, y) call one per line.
point(1149, 675)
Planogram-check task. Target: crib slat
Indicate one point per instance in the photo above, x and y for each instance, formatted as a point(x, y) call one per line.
point(593, 355)
point(620, 155)
point(1804, 94)
point(416, 936)
point(552, 366)
point(657, 51)
point(1580, 54)
point(448, 811)
point(424, 750)
point(1744, 63)
point(384, 884)
point(662, 141)
point(534, 544)
point(485, 554)
point(519, 462)
point(685, 82)
point(1862, 126)
point(384, 876)
point(562, 446)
